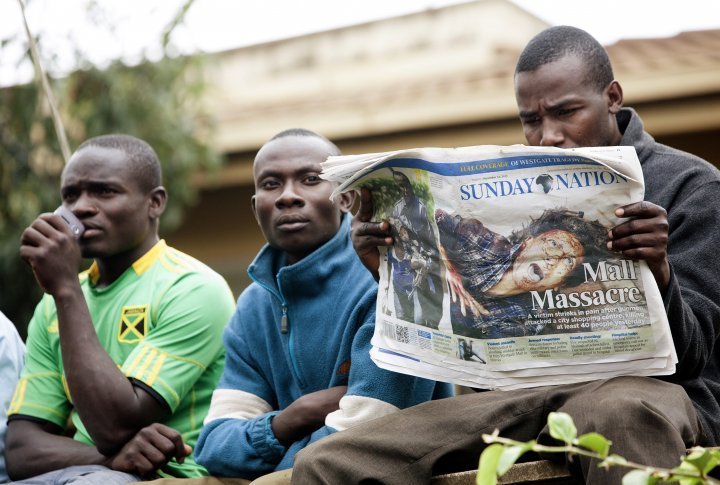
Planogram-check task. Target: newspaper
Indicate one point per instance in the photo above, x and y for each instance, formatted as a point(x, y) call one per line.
point(499, 276)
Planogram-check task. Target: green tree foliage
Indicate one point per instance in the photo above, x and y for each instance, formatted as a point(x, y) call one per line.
point(386, 193)
point(156, 101)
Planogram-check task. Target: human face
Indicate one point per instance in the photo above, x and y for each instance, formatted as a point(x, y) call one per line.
point(292, 203)
point(545, 261)
point(559, 107)
point(99, 186)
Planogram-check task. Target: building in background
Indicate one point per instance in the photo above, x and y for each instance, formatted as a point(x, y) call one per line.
point(442, 77)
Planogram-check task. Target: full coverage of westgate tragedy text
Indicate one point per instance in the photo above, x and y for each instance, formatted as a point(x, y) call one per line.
point(500, 276)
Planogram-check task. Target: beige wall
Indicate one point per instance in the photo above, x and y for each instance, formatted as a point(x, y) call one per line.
point(436, 78)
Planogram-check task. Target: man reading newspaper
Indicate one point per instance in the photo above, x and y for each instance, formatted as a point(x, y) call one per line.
point(567, 97)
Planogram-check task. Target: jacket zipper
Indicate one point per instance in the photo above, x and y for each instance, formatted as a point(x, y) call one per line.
point(284, 323)
point(284, 320)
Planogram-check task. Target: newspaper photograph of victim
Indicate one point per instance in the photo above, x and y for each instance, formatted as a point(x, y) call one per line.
point(499, 276)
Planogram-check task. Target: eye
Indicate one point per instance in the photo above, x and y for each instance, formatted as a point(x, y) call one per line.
point(269, 184)
point(312, 179)
point(566, 111)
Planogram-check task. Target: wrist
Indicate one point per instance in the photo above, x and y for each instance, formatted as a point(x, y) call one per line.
point(106, 461)
point(67, 293)
point(663, 277)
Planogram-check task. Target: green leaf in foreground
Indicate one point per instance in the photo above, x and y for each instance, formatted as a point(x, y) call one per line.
point(612, 460)
point(686, 468)
point(489, 459)
point(562, 427)
point(510, 455)
point(703, 460)
point(595, 442)
point(638, 477)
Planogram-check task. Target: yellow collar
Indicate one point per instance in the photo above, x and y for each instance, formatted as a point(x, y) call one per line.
point(139, 266)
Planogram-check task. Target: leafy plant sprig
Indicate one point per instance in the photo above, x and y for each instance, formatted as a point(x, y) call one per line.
point(502, 453)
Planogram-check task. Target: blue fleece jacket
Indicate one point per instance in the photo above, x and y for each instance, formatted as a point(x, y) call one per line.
point(296, 331)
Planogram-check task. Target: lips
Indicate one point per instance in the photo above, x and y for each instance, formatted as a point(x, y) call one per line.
point(90, 231)
point(291, 222)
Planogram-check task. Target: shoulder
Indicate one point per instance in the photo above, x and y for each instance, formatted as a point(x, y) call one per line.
point(684, 161)
point(350, 289)
point(252, 304)
point(666, 169)
point(252, 296)
point(189, 276)
point(665, 161)
point(181, 264)
point(10, 341)
point(674, 178)
point(44, 319)
point(342, 268)
point(358, 280)
point(182, 289)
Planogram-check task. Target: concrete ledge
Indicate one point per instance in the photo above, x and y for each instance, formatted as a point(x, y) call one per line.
point(531, 473)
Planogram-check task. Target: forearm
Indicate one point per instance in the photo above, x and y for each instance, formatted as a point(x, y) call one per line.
point(105, 399)
point(289, 427)
point(694, 321)
point(306, 414)
point(239, 447)
point(692, 296)
point(28, 455)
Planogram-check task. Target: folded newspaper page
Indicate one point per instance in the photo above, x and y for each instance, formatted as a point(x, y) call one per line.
point(499, 276)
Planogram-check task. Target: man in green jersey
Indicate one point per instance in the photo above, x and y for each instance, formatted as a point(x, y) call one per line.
point(132, 349)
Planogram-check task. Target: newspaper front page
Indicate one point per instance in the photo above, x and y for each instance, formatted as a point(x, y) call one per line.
point(500, 276)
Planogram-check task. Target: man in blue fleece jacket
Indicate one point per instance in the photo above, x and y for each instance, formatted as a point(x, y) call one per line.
point(298, 366)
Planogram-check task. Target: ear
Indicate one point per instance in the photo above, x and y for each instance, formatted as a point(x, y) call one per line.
point(254, 208)
point(345, 201)
point(615, 97)
point(158, 200)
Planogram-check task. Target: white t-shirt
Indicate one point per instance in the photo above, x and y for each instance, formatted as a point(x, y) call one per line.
point(12, 351)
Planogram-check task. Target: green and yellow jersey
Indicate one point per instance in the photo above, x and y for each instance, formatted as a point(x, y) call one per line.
point(161, 322)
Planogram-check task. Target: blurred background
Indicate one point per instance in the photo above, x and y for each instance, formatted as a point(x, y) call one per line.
point(207, 82)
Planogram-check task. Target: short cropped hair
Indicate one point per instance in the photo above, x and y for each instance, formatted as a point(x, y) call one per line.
point(142, 158)
point(304, 132)
point(558, 42)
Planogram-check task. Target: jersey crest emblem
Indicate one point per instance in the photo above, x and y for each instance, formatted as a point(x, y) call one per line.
point(133, 324)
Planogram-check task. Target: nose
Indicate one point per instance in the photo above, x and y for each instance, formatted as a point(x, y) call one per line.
point(552, 135)
point(289, 197)
point(83, 206)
